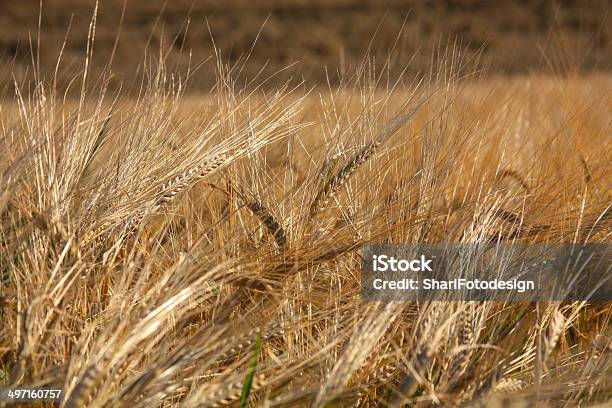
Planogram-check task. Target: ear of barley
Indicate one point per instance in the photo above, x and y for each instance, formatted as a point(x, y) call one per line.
point(359, 158)
point(585, 169)
point(85, 389)
point(265, 216)
point(466, 338)
point(166, 194)
point(276, 330)
point(184, 180)
point(269, 221)
point(409, 384)
point(487, 383)
point(509, 385)
point(515, 175)
point(553, 332)
point(421, 358)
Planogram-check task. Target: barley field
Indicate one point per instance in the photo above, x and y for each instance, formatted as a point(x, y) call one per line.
point(170, 249)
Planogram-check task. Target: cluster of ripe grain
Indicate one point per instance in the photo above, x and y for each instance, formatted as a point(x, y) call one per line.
point(163, 250)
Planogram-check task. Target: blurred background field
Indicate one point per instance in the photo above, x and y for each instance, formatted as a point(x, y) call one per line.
point(325, 39)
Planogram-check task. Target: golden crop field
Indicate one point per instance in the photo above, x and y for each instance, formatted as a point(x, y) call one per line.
point(166, 248)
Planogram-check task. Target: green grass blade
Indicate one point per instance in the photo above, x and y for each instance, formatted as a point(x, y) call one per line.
point(248, 381)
